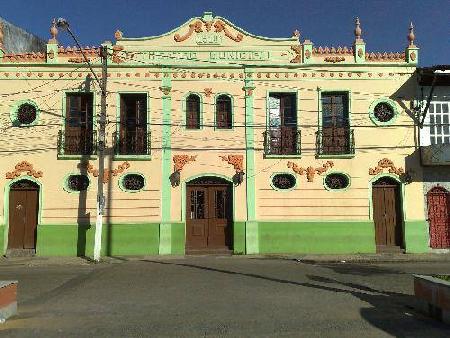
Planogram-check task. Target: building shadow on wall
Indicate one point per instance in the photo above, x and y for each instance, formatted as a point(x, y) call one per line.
point(84, 216)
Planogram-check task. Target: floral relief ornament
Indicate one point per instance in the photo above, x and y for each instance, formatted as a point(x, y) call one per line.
point(386, 163)
point(180, 161)
point(21, 167)
point(218, 25)
point(107, 172)
point(310, 171)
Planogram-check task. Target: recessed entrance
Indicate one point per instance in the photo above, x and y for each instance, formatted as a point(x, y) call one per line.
point(438, 215)
point(23, 216)
point(387, 215)
point(209, 215)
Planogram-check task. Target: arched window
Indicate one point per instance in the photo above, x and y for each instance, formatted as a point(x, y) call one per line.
point(193, 112)
point(223, 112)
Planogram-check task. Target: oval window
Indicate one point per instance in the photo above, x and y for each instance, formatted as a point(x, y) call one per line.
point(283, 181)
point(26, 114)
point(336, 181)
point(133, 182)
point(383, 112)
point(77, 182)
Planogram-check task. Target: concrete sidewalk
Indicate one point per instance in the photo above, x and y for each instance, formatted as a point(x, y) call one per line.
point(303, 258)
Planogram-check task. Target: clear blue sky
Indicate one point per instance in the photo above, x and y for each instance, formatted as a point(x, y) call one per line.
point(384, 22)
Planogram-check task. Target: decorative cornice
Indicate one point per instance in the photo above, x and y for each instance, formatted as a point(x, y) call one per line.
point(219, 26)
point(236, 160)
point(385, 56)
point(180, 161)
point(386, 163)
point(310, 171)
point(107, 172)
point(327, 50)
point(21, 167)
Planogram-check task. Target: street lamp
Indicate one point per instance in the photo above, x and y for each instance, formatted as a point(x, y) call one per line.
point(63, 24)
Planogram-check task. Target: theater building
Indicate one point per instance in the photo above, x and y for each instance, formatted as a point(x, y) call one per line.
point(217, 141)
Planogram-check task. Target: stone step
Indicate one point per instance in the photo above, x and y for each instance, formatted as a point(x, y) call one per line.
point(20, 252)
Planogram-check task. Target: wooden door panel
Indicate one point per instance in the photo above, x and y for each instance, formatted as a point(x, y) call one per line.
point(378, 216)
point(218, 219)
point(29, 239)
point(17, 219)
point(197, 218)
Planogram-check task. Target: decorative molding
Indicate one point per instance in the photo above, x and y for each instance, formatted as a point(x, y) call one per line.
point(107, 172)
point(385, 56)
point(412, 56)
point(208, 92)
point(180, 161)
point(236, 160)
point(386, 163)
point(310, 171)
point(219, 26)
point(334, 59)
point(78, 60)
point(248, 90)
point(21, 167)
point(165, 90)
point(298, 56)
point(327, 50)
point(307, 54)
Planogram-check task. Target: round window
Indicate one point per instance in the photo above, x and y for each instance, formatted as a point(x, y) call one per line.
point(383, 112)
point(336, 181)
point(77, 182)
point(133, 182)
point(283, 181)
point(26, 114)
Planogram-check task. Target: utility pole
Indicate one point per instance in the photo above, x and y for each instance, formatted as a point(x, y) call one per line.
point(62, 23)
point(101, 158)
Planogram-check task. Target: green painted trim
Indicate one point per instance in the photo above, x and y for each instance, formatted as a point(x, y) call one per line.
point(286, 173)
point(6, 205)
point(184, 107)
point(165, 228)
point(391, 104)
point(66, 187)
point(15, 108)
point(250, 149)
point(124, 157)
point(121, 178)
point(408, 51)
point(232, 111)
point(402, 194)
point(337, 190)
point(239, 237)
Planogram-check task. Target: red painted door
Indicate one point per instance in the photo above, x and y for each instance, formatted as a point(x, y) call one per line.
point(438, 217)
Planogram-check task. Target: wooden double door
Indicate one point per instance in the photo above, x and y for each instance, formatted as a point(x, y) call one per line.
point(387, 215)
point(23, 215)
point(208, 215)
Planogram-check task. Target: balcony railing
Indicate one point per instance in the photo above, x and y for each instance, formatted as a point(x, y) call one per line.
point(282, 141)
point(335, 141)
point(77, 142)
point(136, 142)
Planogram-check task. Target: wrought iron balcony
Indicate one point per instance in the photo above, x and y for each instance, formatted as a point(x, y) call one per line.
point(282, 141)
point(132, 142)
point(335, 141)
point(77, 142)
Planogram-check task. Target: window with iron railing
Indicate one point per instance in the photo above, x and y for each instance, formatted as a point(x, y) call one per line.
point(281, 136)
point(78, 136)
point(334, 136)
point(133, 137)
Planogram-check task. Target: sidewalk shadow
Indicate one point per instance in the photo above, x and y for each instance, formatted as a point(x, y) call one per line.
point(399, 305)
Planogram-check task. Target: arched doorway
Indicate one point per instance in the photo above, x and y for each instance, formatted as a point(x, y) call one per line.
point(23, 215)
point(387, 214)
point(209, 210)
point(438, 216)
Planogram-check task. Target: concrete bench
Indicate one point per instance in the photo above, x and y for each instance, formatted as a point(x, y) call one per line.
point(8, 299)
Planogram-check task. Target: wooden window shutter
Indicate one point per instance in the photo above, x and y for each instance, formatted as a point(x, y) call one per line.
point(193, 112)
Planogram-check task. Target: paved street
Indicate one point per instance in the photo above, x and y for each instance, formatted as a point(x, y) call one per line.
point(218, 296)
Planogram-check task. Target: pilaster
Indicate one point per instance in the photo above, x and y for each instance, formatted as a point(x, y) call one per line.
point(307, 51)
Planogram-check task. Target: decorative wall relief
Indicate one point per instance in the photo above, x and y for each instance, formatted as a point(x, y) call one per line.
point(298, 56)
point(21, 167)
point(310, 171)
point(107, 172)
point(386, 163)
point(208, 92)
point(180, 161)
point(237, 161)
point(334, 59)
point(202, 26)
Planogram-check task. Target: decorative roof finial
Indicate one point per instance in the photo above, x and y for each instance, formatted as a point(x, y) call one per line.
point(53, 32)
point(118, 35)
point(296, 34)
point(411, 36)
point(1, 35)
point(358, 30)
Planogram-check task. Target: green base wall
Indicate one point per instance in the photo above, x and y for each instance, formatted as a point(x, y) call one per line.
point(178, 239)
point(416, 236)
point(78, 240)
point(316, 237)
point(239, 238)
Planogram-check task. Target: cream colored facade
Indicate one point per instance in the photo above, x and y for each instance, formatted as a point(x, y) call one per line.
point(209, 56)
